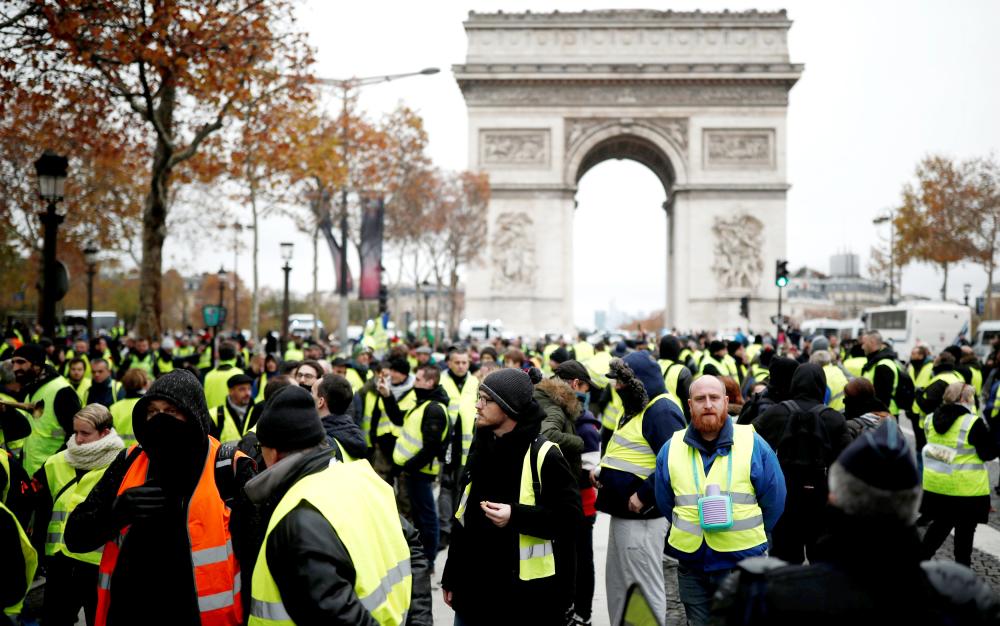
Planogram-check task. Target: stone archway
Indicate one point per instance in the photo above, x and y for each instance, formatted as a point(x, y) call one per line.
point(699, 98)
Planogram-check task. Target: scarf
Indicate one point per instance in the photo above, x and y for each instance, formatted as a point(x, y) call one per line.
point(95, 454)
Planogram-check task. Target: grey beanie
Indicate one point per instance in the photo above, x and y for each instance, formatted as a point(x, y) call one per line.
point(820, 342)
point(512, 390)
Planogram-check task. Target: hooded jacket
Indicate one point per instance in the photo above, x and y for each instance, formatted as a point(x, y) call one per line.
point(158, 548)
point(310, 564)
point(342, 429)
point(670, 349)
point(778, 384)
point(482, 566)
point(885, 378)
point(561, 408)
point(659, 423)
point(808, 389)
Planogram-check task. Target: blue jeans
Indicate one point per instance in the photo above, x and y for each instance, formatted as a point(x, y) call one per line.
point(696, 590)
point(424, 511)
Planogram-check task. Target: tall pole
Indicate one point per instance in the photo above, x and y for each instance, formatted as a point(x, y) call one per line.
point(777, 339)
point(284, 307)
point(236, 263)
point(344, 313)
point(218, 322)
point(892, 260)
point(51, 221)
point(91, 270)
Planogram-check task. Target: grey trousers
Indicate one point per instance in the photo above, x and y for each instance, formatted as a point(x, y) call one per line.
point(635, 555)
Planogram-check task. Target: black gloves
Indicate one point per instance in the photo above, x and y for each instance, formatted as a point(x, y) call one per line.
point(139, 503)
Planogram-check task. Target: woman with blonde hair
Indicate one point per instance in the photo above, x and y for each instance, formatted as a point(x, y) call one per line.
point(64, 481)
point(956, 482)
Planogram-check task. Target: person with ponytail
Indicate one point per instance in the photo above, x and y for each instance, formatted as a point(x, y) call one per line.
point(63, 482)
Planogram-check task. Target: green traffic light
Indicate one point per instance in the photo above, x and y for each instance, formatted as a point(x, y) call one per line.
point(781, 281)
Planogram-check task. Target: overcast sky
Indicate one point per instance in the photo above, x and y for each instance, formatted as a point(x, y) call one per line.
point(885, 83)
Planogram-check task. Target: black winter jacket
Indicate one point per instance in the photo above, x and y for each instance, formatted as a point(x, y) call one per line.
point(931, 398)
point(310, 564)
point(482, 566)
point(343, 429)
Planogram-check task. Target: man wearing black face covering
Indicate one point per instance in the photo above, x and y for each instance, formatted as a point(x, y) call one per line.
point(779, 383)
point(159, 515)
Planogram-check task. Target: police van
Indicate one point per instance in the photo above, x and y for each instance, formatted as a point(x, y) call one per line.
point(933, 323)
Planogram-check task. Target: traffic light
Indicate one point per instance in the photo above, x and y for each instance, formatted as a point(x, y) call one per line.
point(383, 299)
point(745, 307)
point(781, 273)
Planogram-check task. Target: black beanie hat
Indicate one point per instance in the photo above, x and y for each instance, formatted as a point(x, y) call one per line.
point(511, 389)
point(715, 345)
point(732, 347)
point(32, 353)
point(181, 389)
point(882, 459)
point(559, 355)
point(399, 364)
point(290, 421)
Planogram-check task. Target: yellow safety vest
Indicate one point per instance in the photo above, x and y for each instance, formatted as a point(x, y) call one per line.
point(671, 374)
point(82, 390)
point(294, 354)
point(229, 431)
point(47, 436)
point(721, 366)
point(87, 372)
point(613, 412)
point(217, 383)
point(951, 465)
point(18, 443)
point(373, 402)
point(855, 364)
point(598, 367)
point(146, 364)
point(546, 353)
point(752, 350)
point(68, 493)
point(835, 382)
point(361, 508)
point(732, 473)
point(462, 405)
point(164, 366)
point(411, 438)
point(977, 379)
point(948, 377)
point(205, 359)
point(870, 375)
point(121, 414)
point(535, 556)
point(628, 449)
point(354, 378)
point(920, 380)
point(30, 561)
point(583, 351)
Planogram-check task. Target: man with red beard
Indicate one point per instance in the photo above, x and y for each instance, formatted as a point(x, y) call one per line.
point(721, 486)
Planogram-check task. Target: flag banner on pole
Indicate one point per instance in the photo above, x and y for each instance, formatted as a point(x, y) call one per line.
point(372, 219)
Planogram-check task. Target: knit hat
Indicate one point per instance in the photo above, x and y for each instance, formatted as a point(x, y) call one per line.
point(399, 364)
point(715, 346)
point(732, 347)
point(290, 421)
point(181, 389)
point(820, 342)
point(239, 379)
point(559, 355)
point(882, 459)
point(511, 389)
point(32, 353)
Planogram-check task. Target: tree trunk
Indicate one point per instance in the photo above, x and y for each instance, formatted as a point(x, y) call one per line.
point(255, 301)
point(944, 285)
point(453, 301)
point(154, 225)
point(315, 291)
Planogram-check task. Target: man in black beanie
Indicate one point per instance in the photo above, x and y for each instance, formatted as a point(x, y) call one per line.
point(509, 542)
point(318, 512)
point(159, 508)
point(869, 568)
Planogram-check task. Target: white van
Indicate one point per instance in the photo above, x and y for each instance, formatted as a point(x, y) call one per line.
point(301, 325)
point(845, 329)
point(936, 324)
point(986, 332)
point(480, 330)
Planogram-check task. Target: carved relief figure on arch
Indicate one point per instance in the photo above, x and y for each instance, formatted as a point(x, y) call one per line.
point(738, 242)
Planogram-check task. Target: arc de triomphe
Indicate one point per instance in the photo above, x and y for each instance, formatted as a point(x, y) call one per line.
point(699, 98)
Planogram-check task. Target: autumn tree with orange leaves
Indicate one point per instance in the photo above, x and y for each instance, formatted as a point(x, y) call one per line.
point(163, 76)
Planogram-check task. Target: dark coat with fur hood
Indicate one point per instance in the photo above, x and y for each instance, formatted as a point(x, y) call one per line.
point(561, 408)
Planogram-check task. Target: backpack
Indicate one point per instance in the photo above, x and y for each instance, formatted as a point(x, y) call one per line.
point(804, 449)
point(906, 391)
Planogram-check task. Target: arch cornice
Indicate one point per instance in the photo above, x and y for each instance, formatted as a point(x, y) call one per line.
point(668, 136)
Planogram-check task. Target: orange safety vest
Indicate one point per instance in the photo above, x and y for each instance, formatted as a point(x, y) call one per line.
point(216, 571)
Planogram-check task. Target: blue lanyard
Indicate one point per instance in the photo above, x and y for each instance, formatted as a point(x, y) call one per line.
point(694, 470)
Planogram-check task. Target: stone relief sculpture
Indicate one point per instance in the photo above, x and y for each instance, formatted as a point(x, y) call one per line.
point(513, 252)
point(738, 261)
point(736, 147)
point(514, 147)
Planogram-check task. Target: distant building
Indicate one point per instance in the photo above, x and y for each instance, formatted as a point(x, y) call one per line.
point(841, 294)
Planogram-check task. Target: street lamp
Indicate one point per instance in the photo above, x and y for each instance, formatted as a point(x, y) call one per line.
point(966, 288)
point(51, 170)
point(427, 296)
point(892, 245)
point(346, 85)
point(286, 256)
point(90, 257)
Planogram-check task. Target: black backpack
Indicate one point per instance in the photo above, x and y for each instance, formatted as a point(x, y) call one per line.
point(906, 391)
point(804, 449)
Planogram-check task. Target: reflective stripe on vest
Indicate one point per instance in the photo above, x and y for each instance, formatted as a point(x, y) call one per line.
point(411, 439)
point(686, 533)
point(535, 556)
point(47, 436)
point(965, 474)
point(59, 473)
point(462, 404)
point(628, 449)
point(216, 571)
point(30, 561)
point(361, 508)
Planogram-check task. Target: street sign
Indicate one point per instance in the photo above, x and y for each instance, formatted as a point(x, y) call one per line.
point(776, 319)
point(214, 315)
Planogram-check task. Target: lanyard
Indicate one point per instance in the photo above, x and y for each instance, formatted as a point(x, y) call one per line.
point(694, 470)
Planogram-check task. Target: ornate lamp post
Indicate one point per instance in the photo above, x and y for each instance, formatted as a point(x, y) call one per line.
point(286, 256)
point(90, 256)
point(51, 170)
